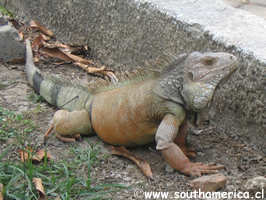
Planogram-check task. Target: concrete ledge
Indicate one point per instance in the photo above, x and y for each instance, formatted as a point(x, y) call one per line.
point(127, 33)
point(11, 49)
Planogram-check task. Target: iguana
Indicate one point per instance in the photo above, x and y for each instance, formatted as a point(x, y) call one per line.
point(139, 112)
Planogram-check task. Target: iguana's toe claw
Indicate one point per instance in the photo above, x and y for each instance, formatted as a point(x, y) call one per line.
point(47, 133)
point(111, 76)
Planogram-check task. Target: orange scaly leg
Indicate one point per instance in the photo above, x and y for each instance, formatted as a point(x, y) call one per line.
point(176, 159)
point(65, 139)
point(172, 153)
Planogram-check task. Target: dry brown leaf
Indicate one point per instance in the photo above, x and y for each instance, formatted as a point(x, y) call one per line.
point(61, 51)
point(21, 35)
point(142, 164)
point(37, 42)
point(90, 69)
point(81, 62)
point(65, 47)
point(45, 37)
point(25, 154)
point(39, 187)
point(79, 59)
point(16, 23)
point(62, 47)
point(37, 25)
point(49, 45)
point(55, 53)
point(1, 191)
point(39, 156)
point(36, 59)
point(70, 49)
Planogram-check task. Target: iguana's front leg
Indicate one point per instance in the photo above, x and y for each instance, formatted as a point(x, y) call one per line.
point(173, 155)
point(181, 140)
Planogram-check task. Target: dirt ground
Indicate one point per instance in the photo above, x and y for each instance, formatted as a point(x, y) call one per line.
point(241, 160)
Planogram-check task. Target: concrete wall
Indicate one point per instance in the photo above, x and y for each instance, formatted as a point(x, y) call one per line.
point(127, 33)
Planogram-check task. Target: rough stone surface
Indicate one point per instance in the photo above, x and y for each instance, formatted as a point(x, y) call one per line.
point(129, 33)
point(256, 184)
point(259, 10)
point(209, 183)
point(256, 7)
point(10, 48)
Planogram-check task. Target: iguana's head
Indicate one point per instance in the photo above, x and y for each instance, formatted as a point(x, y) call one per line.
point(203, 72)
point(192, 79)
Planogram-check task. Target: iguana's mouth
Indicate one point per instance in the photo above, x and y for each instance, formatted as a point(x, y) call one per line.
point(233, 68)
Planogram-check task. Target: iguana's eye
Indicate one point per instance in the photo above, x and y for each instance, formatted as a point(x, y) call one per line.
point(208, 60)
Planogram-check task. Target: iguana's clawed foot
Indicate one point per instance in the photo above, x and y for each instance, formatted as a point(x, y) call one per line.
point(60, 137)
point(47, 133)
point(68, 139)
point(197, 169)
point(175, 157)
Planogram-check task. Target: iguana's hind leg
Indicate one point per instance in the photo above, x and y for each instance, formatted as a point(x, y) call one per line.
point(181, 141)
point(58, 136)
point(68, 126)
point(67, 139)
point(142, 164)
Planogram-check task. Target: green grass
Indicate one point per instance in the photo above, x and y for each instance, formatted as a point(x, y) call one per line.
point(68, 178)
point(62, 178)
point(35, 98)
point(4, 11)
point(14, 125)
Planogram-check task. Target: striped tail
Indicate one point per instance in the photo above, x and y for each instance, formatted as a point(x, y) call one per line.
point(61, 94)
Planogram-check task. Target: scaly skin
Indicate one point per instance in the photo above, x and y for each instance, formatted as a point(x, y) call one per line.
point(136, 113)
